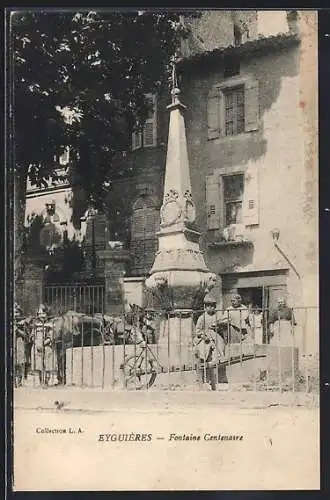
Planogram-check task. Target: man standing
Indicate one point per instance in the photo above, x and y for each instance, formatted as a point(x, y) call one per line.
point(209, 345)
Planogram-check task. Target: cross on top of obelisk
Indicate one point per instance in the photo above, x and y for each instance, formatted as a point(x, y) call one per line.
point(175, 91)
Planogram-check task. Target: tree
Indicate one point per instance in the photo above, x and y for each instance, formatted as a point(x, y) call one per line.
point(79, 79)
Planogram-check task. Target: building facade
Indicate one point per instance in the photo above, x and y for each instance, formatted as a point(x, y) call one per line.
point(249, 82)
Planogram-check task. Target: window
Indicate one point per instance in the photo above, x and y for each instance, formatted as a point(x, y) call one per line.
point(233, 106)
point(147, 137)
point(233, 199)
point(234, 111)
point(260, 299)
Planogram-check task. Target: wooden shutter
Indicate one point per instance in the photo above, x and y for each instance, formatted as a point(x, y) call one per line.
point(213, 114)
point(136, 140)
point(251, 197)
point(148, 134)
point(144, 240)
point(150, 127)
point(151, 222)
point(138, 225)
point(213, 201)
point(251, 105)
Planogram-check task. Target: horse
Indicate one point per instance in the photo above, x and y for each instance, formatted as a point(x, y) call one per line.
point(65, 329)
point(73, 329)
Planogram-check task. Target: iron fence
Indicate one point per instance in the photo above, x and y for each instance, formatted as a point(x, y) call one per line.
point(88, 299)
point(252, 351)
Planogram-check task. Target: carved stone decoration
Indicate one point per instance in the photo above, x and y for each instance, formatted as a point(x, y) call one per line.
point(161, 280)
point(171, 209)
point(211, 281)
point(179, 258)
point(171, 195)
point(190, 210)
point(181, 286)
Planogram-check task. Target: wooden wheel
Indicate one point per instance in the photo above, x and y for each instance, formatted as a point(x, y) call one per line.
point(137, 373)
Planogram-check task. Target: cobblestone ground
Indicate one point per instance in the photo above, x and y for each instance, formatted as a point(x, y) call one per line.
point(279, 448)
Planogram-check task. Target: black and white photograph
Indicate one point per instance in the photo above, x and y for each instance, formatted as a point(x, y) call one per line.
point(164, 332)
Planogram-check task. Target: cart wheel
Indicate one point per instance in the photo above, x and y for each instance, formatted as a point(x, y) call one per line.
point(134, 373)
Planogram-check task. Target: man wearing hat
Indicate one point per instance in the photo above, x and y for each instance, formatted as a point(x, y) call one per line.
point(209, 344)
point(235, 320)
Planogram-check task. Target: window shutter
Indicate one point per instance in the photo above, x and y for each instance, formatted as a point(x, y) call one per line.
point(251, 197)
point(151, 222)
point(138, 224)
point(136, 140)
point(137, 248)
point(251, 105)
point(213, 114)
point(145, 223)
point(150, 127)
point(213, 201)
point(148, 134)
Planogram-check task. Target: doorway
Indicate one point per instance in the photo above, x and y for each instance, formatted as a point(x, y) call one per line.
point(251, 297)
point(262, 300)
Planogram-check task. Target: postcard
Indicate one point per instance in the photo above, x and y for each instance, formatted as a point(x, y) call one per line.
point(164, 330)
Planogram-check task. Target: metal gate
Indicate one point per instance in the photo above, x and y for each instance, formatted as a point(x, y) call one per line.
point(82, 298)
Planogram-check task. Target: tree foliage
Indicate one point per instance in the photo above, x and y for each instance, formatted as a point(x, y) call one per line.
point(97, 66)
point(79, 79)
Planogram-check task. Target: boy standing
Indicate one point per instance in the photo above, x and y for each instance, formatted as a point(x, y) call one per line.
point(209, 345)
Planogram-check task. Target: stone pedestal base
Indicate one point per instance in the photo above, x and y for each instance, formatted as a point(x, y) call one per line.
point(175, 340)
point(134, 292)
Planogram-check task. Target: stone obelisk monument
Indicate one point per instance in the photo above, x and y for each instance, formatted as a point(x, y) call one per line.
point(179, 275)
